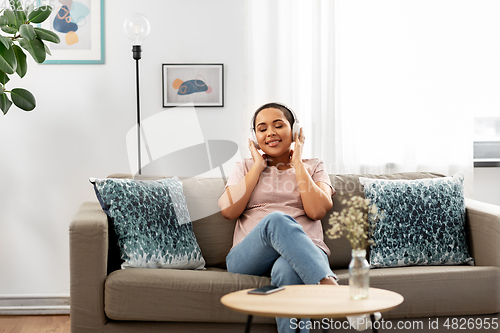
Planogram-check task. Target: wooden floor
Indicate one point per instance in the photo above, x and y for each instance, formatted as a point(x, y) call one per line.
point(34, 324)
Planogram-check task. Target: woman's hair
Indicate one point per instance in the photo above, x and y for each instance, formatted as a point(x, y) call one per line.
point(286, 111)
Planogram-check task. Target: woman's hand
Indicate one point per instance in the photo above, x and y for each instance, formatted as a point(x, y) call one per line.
point(296, 153)
point(235, 198)
point(259, 160)
point(316, 196)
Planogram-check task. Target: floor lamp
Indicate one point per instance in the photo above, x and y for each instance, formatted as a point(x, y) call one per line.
point(137, 28)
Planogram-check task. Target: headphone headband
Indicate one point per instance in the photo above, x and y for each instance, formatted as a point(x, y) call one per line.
point(274, 105)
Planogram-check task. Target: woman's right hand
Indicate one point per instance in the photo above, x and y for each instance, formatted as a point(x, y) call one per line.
point(235, 198)
point(260, 161)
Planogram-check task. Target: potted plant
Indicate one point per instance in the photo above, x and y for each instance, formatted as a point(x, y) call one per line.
point(356, 222)
point(20, 35)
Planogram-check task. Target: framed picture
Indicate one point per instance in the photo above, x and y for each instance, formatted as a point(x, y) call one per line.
point(80, 26)
point(200, 84)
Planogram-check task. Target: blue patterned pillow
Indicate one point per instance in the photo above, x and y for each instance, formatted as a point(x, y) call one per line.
point(423, 222)
point(152, 222)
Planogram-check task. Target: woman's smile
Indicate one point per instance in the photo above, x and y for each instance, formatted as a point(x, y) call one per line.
point(273, 142)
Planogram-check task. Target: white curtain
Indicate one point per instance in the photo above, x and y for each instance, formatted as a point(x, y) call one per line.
point(379, 87)
point(290, 54)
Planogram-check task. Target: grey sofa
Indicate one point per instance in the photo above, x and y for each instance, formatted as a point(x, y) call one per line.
point(105, 298)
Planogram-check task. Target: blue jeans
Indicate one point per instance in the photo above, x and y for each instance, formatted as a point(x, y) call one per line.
point(279, 247)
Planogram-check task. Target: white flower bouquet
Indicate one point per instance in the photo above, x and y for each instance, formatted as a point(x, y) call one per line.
point(355, 222)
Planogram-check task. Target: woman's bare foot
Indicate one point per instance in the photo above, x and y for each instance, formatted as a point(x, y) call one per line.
point(329, 280)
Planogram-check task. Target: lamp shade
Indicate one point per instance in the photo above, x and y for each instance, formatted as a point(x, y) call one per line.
point(137, 28)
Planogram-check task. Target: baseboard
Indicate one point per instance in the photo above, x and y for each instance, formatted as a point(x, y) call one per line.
point(34, 304)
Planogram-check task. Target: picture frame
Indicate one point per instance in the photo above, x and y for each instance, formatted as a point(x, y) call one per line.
point(199, 84)
point(80, 28)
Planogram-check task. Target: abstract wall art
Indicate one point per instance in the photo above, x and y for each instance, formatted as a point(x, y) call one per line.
point(200, 84)
point(80, 26)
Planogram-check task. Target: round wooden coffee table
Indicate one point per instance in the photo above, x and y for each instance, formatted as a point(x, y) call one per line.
point(310, 301)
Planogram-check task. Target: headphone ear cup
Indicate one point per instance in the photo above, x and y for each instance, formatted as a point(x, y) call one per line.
point(295, 130)
point(254, 139)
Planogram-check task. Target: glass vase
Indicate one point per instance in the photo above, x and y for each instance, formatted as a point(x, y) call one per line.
point(359, 275)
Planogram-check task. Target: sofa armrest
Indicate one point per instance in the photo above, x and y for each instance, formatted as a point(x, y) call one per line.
point(88, 250)
point(483, 230)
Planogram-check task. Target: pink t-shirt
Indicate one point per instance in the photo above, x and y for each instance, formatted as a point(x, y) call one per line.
point(277, 190)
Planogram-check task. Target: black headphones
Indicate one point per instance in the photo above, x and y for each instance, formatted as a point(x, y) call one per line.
point(295, 124)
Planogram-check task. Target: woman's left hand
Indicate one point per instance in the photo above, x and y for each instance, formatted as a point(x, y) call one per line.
point(296, 153)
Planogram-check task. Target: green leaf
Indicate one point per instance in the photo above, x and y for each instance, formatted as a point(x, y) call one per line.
point(3, 20)
point(4, 78)
point(36, 48)
point(9, 30)
point(40, 14)
point(47, 50)
point(23, 99)
point(27, 31)
point(4, 41)
point(47, 35)
point(8, 61)
point(22, 64)
point(5, 103)
point(10, 16)
point(17, 7)
point(20, 16)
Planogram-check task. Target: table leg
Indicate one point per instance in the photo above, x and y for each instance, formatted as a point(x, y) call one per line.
point(249, 323)
point(297, 330)
point(372, 317)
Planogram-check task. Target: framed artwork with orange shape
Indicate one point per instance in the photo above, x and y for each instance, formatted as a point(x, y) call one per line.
point(193, 85)
point(80, 27)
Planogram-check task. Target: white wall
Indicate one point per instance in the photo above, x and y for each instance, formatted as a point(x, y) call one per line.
point(78, 128)
point(487, 185)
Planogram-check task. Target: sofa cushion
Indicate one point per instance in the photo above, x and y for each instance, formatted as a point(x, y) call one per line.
point(347, 185)
point(213, 232)
point(180, 295)
point(176, 295)
point(432, 291)
point(152, 222)
point(423, 222)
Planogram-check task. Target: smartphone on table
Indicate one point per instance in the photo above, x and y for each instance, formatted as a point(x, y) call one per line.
point(266, 290)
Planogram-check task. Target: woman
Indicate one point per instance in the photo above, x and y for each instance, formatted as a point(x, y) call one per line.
point(279, 200)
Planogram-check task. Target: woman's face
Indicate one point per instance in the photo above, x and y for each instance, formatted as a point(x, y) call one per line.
point(273, 132)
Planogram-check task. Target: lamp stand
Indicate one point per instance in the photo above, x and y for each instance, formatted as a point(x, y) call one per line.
point(136, 50)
